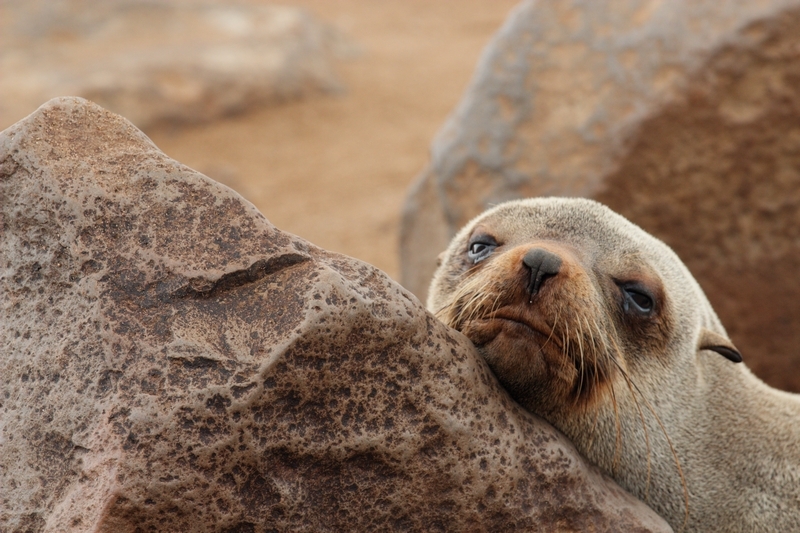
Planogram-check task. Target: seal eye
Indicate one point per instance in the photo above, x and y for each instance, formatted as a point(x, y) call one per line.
point(637, 300)
point(481, 247)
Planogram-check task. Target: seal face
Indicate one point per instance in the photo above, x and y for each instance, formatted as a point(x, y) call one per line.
point(551, 307)
point(598, 327)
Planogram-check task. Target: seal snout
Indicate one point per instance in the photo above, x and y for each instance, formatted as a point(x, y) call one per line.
point(543, 265)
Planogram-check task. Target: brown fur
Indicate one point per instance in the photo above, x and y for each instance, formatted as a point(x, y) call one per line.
point(641, 395)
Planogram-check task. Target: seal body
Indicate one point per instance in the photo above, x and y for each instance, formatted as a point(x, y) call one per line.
point(598, 327)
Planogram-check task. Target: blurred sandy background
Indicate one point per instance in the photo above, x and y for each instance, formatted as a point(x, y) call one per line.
point(333, 167)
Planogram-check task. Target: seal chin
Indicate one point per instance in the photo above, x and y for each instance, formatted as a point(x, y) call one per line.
point(524, 354)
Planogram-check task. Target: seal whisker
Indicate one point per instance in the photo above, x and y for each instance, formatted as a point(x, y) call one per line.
point(582, 362)
point(674, 456)
point(580, 338)
point(475, 299)
point(596, 349)
point(495, 305)
point(669, 442)
point(648, 448)
point(595, 376)
point(629, 382)
point(486, 296)
point(553, 328)
point(474, 305)
point(601, 373)
point(618, 429)
point(595, 387)
point(566, 349)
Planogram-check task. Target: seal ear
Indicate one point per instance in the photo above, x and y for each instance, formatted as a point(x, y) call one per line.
point(717, 343)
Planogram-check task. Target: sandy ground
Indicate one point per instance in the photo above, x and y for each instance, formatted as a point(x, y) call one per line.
point(334, 169)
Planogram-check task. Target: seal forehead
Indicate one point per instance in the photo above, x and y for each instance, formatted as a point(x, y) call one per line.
point(563, 218)
point(585, 224)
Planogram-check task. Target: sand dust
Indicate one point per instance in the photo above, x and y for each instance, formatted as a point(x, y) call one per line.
point(335, 169)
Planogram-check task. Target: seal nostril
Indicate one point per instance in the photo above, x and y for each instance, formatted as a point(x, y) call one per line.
point(543, 265)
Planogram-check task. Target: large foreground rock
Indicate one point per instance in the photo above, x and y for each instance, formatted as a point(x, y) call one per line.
point(165, 61)
point(172, 362)
point(682, 116)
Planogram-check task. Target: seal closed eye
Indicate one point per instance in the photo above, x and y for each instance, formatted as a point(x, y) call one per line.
point(598, 327)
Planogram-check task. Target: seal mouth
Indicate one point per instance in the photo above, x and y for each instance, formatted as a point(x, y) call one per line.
point(525, 322)
point(548, 351)
point(515, 322)
point(522, 323)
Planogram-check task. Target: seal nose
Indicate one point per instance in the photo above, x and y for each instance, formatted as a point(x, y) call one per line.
point(543, 265)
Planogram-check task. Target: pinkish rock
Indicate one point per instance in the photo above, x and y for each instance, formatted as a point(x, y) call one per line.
point(173, 362)
point(682, 116)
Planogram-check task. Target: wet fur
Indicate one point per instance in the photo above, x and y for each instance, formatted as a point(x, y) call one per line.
point(670, 421)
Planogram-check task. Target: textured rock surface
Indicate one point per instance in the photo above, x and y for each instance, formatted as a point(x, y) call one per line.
point(682, 116)
point(177, 60)
point(172, 362)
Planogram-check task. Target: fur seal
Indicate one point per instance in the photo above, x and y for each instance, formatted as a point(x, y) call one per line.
point(598, 327)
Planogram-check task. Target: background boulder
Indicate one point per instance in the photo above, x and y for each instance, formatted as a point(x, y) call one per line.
point(177, 61)
point(682, 116)
point(173, 362)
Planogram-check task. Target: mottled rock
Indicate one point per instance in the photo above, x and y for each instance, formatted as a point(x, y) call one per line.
point(167, 61)
point(682, 116)
point(173, 362)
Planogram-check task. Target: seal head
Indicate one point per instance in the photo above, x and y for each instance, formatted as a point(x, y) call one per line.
point(598, 327)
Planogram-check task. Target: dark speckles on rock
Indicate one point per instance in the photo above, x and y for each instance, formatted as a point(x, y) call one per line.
point(239, 391)
point(218, 403)
point(224, 375)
